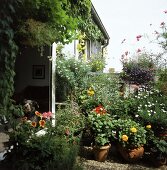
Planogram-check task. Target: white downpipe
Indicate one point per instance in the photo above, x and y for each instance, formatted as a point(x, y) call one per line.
point(53, 77)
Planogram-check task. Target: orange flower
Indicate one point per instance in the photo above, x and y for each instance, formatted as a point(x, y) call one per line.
point(42, 123)
point(125, 138)
point(38, 114)
point(34, 124)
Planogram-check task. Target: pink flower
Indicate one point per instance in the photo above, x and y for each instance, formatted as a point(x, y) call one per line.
point(138, 50)
point(47, 115)
point(138, 37)
point(165, 11)
point(162, 23)
point(126, 53)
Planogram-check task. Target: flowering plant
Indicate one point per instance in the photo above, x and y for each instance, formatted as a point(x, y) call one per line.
point(129, 133)
point(37, 121)
point(152, 107)
point(101, 125)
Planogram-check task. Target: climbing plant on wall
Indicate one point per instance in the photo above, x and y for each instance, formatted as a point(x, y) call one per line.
point(8, 50)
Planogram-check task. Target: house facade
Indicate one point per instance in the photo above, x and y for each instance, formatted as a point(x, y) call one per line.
point(36, 68)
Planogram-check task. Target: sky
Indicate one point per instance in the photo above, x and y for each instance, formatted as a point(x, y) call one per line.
point(126, 19)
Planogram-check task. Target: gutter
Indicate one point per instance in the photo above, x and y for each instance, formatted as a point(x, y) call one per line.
point(99, 23)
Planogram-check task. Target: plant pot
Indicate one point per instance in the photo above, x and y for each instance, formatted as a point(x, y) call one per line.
point(101, 153)
point(131, 155)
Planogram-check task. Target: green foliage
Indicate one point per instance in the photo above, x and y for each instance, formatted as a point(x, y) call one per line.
point(7, 56)
point(44, 147)
point(129, 133)
point(59, 19)
point(70, 124)
point(97, 63)
point(152, 107)
point(101, 125)
point(139, 71)
point(71, 74)
point(43, 152)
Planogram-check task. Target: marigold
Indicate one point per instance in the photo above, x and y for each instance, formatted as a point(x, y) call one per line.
point(148, 126)
point(133, 129)
point(34, 124)
point(38, 113)
point(42, 123)
point(125, 138)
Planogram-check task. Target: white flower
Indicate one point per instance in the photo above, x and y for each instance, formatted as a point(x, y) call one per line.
point(136, 115)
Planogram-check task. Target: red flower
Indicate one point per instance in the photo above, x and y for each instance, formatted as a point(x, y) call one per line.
point(100, 110)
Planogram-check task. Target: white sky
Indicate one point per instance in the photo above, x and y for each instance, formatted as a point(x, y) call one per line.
point(127, 19)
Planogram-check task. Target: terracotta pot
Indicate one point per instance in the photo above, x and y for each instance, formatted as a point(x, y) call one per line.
point(101, 153)
point(131, 155)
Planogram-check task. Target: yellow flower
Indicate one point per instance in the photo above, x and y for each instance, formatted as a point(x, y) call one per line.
point(90, 92)
point(133, 129)
point(148, 126)
point(125, 138)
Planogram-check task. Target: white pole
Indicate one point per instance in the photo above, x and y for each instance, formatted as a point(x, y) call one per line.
point(53, 88)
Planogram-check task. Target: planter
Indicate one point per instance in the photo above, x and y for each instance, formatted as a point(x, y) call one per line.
point(101, 153)
point(131, 155)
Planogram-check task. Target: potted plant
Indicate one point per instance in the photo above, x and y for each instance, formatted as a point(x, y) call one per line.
point(101, 127)
point(131, 137)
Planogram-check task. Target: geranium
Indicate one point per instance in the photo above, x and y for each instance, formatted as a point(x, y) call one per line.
point(101, 126)
point(100, 110)
point(47, 115)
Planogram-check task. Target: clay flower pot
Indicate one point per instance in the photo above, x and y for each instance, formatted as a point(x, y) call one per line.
point(131, 155)
point(101, 153)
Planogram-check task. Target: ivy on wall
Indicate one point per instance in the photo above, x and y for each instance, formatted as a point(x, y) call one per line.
point(8, 50)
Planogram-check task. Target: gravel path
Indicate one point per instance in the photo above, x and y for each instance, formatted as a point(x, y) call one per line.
point(114, 162)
